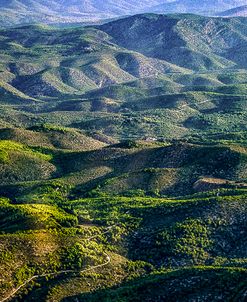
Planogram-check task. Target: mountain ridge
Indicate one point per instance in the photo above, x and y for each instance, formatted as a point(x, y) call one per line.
point(206, 7)
point(240, 11)
point(123, 160)
point(57, 11)
point(182, 73)
point(18, 12)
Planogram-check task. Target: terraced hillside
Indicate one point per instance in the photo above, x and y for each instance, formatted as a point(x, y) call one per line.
point(123, 161)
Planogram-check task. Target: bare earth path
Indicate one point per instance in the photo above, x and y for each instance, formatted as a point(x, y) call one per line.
point(108, 260)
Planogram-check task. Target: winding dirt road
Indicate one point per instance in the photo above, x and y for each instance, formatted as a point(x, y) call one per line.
point(108, 260)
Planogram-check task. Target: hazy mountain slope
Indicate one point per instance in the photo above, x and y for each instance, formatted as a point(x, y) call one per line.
point(58, 11)
point(235, 12)
point(189, 41)
point(207, 7)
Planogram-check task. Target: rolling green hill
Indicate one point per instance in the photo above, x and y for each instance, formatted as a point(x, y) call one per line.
point(123, 160)
point(180, 74)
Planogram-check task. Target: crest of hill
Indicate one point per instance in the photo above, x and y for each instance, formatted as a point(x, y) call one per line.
point(49, 136)
point(240, 11)
point(188, 41)
point(16, 12)
point(206, 7)
point(122, 168)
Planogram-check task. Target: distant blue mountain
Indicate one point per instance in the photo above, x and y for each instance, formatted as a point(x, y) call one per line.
point(240, 11)
point(14, 12)
point(207, 7)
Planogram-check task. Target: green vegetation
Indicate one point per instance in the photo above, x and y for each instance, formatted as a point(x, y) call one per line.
point(91, 79)
point(181, 285)
point(8, 146)
point(123, 164)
